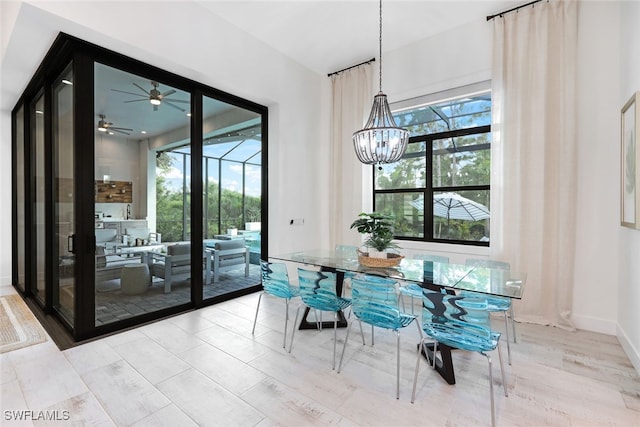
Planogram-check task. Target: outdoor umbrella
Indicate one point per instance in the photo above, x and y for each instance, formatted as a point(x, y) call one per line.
point(454, 206)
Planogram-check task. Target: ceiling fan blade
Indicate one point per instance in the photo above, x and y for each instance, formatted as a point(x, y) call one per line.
point(167, 93)
point(176, 100)
point(141, 88)
point(119, 131)
point(124, 91)
point(117, 128)
point(174, 106)
point(136, 100)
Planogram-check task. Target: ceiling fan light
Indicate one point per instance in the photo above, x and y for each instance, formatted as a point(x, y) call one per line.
point(102, 129)
point(155, 101)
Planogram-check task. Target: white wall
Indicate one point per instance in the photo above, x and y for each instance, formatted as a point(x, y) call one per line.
point(451, 59)
point(595, 292)
point(225, 58)
point(629, 244)
point(119, 158)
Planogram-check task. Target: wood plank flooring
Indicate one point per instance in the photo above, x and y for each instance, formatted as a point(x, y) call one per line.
point(205, 368)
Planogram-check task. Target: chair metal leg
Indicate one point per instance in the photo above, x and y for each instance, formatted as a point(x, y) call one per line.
point(493, 415)
point(286, 322)
point(513, 325)
point(345, 344)
point(415, 375)
point(256, 318)
point(506, 328)
point(361, 331)
point(294, 327)
point(335, 338)
point(398, 365)
point(435, 351)
point(504, 376)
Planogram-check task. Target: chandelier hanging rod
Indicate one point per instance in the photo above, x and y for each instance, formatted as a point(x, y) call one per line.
point(531, 3)
point(353, 66)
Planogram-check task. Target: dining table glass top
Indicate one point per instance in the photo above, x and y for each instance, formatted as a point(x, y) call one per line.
point(490, 281)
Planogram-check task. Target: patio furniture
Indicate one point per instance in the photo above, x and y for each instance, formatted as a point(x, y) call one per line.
point(135, 279)
point(229, 255)
point(176, 264)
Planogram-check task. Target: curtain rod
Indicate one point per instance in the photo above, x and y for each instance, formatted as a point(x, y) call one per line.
point(490, 17)
point(354, 66)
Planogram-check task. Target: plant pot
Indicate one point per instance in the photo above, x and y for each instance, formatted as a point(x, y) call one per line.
point(391, 261)
point(374, 253)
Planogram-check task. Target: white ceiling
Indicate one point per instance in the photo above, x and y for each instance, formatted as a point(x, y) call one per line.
point(327, 36)
point(324, 36)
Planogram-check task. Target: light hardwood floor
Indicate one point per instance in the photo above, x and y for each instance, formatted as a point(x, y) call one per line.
point(205, 368)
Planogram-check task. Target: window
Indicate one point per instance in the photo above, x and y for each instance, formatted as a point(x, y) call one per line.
point(439, 191)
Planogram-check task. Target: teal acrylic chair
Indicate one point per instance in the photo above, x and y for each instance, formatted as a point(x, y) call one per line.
point(318, 292)
point(275, 282)
point(413, 290)
point(375, 302)
point(495, 304)
point(462, 323)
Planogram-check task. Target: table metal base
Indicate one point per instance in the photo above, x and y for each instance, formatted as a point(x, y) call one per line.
point(342, 321)
point(306, 324)
point(444, 364)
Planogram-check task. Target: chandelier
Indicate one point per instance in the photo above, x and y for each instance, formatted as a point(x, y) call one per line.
point(381, 140)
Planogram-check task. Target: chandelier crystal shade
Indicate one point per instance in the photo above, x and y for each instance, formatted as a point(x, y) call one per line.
point(381, 140)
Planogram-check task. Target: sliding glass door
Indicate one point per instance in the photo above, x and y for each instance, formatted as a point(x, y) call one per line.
point(110, 227)
point(64, 198)
point(141, 210)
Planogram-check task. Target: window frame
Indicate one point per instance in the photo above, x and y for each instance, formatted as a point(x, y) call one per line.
point(428, 190)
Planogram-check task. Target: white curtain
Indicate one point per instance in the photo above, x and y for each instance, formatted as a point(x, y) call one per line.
point(533, 183)
point(352, 97)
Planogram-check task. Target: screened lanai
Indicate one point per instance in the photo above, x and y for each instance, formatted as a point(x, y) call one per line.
point(232, 186)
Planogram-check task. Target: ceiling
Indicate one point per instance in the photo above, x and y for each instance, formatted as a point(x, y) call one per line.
point(312, 33)
point(323, 36)
point(327, 36)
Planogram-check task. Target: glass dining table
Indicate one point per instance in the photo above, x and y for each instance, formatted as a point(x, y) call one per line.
point(444, 277)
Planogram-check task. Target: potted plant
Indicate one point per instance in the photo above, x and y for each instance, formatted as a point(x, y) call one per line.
point(379, 227)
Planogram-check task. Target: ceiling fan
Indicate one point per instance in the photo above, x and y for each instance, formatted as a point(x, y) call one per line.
point(155, 97)
point(105, 126)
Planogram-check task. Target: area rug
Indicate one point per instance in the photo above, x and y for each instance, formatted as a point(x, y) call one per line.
point(18, 326)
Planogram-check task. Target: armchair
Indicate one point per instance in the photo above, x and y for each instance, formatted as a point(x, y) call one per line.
point(228, 255)
point(176, 265)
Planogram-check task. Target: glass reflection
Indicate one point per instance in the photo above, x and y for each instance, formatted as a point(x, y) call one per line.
point(142, 228)
point(64, 197)
point(232, 171)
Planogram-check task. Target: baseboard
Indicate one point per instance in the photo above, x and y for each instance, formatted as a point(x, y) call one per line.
point(594, 324)
point(632, 353)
